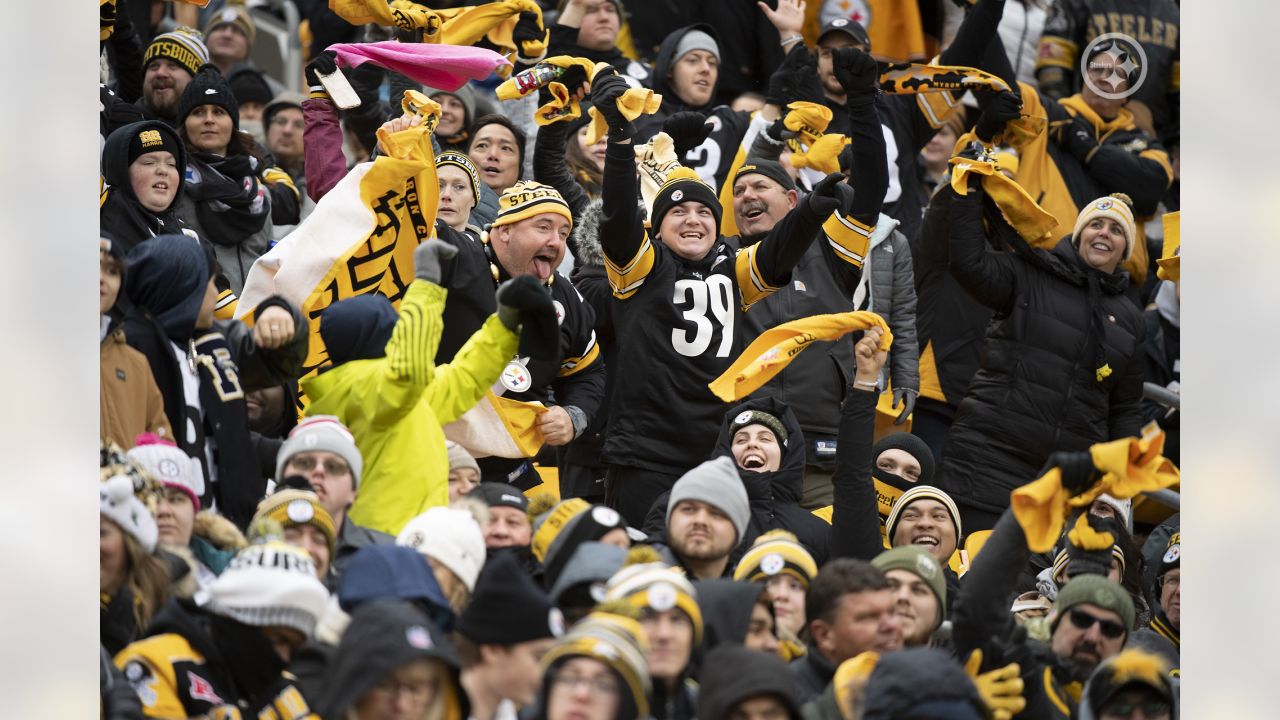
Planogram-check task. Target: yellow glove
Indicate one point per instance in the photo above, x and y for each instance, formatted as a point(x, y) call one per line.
point(1001, 689)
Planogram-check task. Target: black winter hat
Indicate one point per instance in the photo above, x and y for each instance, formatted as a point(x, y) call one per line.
point(358, 328)
point(921, 683)
point(147, 138)
point(732, 674)
point(913, 446)
point(768, 168)
point(682, 185)
point(508, 608)
point(208, 87)
point(496, 494)
point(249, 85)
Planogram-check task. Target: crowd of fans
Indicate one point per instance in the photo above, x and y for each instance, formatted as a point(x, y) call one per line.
point(469, 383)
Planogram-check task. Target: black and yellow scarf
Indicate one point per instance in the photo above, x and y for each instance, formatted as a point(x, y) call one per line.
point(231, 202)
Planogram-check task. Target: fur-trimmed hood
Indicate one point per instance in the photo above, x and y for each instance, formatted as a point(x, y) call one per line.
point(585, 238)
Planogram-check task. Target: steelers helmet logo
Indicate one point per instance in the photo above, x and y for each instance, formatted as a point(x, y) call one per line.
point(605, 650)
point(772, 564)
point(839, 22)
point(300, 511)
point(516, 377)
point(168, 468)
point(1172, 554)
point(555, 622)
point(598, 591)
point(662, 597)
point(743, 418)
point(559, 311)
point(605, 516)
point(926, 567)
point(1104, 204)
point(310, 440)
point(677, 196)
point(418, 637)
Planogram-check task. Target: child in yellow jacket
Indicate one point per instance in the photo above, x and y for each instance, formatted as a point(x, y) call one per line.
point(386, 388)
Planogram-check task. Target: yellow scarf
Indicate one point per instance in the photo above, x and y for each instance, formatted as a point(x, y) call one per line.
point(632, 104)
point(776, 347)
point(1130, 466)
point(1170, 261)
point(1021, 211)
point(562, 105)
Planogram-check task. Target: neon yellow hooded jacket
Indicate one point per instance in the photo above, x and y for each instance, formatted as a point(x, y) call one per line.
point(397, 406)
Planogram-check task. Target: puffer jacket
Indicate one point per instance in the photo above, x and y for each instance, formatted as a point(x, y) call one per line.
point(397, 405)
point(889, 290)
point(1062, 364)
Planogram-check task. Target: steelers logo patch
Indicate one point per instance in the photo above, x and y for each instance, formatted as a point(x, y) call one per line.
point(300, 511)
point(418, 637)
point(1104, 204)
point(168, 468)
point(662, 597)
point(743, 418)
point(516, 378)
point(926, 567)
point(839, 22)
point(605, 516)
point(605, 650)
point(559, 311)
point(772, 564)
point(677, 196)
point(1172, 554)
point(555, 622)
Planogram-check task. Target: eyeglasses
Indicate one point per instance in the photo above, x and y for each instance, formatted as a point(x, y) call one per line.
point(1084, 621)
point(598, 685)
point(1151, 708)
point(306, 463)
point(391, 687)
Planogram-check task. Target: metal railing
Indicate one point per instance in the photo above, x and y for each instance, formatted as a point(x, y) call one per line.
point(278, 51)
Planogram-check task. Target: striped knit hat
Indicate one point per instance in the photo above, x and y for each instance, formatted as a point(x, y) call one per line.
point(463, 162)
point(655, 586)
point(1116, 206)
point(776, 552)
point(615, 640)
point(682, 185)
point(270, 583)
point(291, 508)
point(570, 523)
point(917, 493)
point(526, 199)
point(184, 46)
point(321, 433)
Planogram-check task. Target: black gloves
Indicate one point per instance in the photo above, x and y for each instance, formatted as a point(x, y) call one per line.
point(605, 91)
point(520, 299)
point(1080, 138)
point(857, 72)
point(825, 198)
point(326, 63)
point(427, 258)
point(687, 130)
point(1078, 472)
point(997, 112)
point(526, 31)
point(795, 79)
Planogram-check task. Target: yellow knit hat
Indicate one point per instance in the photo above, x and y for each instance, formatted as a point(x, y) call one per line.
point(1116, 206)
point(526, 199)
point(291, 508)
point(776, 552)
point(656, 586)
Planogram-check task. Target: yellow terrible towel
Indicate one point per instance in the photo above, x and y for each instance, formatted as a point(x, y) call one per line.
point(403, 14)
point(1170, 261)
point(495, 21)
point(1130, 466)
point(1030, 220)
point(776, 347)
point(633, 103)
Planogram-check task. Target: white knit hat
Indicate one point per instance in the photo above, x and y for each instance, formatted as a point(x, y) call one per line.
point(452, 537)
point(119, 505)
point(270, 584)
point(166, 463)
point(321, 433)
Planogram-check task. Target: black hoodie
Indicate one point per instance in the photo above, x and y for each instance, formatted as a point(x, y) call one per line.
point(715, 155)
point(726, 611)
point(120, 213)
point(735, 674)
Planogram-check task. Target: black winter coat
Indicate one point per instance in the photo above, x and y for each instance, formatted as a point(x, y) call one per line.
point(1057, 322)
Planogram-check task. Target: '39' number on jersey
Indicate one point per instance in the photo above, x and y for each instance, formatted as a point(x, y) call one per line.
point(708, 305)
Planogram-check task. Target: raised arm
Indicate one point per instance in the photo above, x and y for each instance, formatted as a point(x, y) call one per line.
point(549, 167)
point(988, 276)
point(323, 160)
point(628, 253)
point(855, 520)
point(274, 350)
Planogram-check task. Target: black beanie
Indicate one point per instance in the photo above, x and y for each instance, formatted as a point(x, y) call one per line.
point(496, 494)
point(358, 328)
point(682, 185)
point(249, 86)
point(507, 608)
point(913, 446)
point(208, 87)
point(150, 137)
point(768, 168)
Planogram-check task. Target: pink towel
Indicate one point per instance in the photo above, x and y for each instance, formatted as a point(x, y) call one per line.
point(446, 67)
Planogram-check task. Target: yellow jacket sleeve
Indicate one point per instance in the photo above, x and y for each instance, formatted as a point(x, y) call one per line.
point(409, 366)
point(459, 385)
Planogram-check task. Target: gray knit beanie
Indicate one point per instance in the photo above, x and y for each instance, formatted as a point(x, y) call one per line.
point(714, 482)
point(696, 40)
point(321, 433)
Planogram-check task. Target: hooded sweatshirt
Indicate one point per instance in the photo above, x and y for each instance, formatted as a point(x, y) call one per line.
point(120, 212)
point(726, 612)
point(734, 674)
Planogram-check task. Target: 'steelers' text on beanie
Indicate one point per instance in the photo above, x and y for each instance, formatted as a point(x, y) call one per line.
point(461, 161)
point(526, 199)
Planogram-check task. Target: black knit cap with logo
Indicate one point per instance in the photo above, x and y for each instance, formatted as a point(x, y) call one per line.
point(508, 608)
point(208, 87)
point(153, 137)
point(682, 185)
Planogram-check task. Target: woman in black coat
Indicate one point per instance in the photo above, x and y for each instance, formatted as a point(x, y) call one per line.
point(1062, 364)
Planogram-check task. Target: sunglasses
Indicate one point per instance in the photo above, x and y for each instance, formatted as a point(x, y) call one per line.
point(331, 467)
point(1151, 708)
point(1084, 621)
